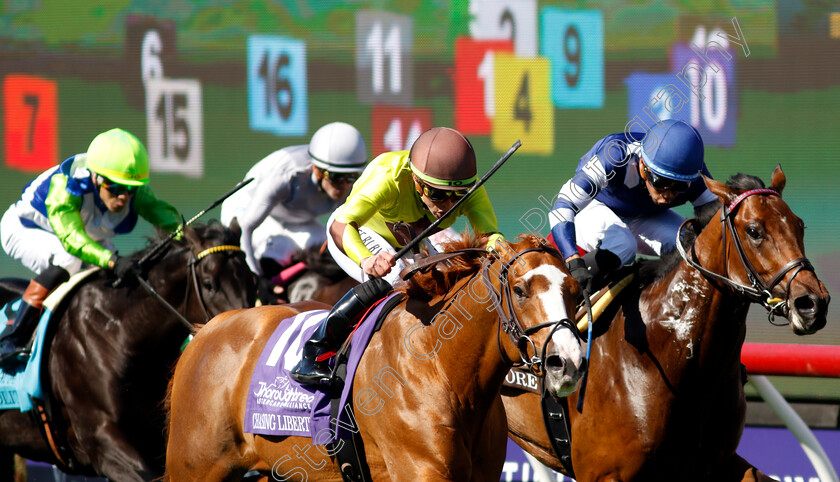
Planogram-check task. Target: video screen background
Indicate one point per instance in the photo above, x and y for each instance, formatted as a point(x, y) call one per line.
point(219, 84)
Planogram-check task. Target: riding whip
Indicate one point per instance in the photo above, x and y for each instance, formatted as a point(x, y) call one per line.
point(408, 247)
point(154, 251)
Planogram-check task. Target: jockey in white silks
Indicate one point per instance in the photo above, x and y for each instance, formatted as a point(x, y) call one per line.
point(278, 211)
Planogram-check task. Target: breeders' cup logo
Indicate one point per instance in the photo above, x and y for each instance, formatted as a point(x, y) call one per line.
point(283, 394)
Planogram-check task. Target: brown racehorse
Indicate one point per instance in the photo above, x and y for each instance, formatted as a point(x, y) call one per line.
point(665, 398)
point(442, 419)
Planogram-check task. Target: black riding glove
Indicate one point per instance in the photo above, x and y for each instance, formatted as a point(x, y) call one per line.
point(125, 269)
point(581, 273)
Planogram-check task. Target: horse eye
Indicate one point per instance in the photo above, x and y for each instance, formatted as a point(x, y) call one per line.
point(753, 232)
point(518, 291)
point(207, 283)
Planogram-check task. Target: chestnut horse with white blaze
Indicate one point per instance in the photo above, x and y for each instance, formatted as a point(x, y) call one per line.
point(665, 397)
point(445, 422)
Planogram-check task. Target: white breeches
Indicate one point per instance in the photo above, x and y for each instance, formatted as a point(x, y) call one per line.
point(35, 248)
point(597, 226)
point(280, 242)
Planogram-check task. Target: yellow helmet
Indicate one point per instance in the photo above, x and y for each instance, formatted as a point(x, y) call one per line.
point(119, 156)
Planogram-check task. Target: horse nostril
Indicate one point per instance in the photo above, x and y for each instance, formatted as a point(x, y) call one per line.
point(805, 304)
point(554, 362)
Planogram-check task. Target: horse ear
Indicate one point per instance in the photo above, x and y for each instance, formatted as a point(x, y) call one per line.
point(778, 182)
point(191, 236)
point(723, 192)
point(235, 228)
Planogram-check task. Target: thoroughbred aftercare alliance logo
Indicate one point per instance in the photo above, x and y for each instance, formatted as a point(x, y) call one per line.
point(283, 394)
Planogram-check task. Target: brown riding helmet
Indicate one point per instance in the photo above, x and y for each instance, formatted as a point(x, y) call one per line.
point(443, 158)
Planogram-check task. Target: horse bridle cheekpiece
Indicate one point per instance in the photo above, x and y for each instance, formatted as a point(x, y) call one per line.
point(760, 291)
point(194, 274)
point(191, 264)
point(510, 324)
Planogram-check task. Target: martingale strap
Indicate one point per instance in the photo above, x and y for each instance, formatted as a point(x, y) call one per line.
point(558, 427)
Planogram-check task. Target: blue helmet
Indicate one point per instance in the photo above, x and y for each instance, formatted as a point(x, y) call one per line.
point(677, 151)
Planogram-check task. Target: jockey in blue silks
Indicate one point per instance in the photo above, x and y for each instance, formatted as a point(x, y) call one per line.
point(619, 201)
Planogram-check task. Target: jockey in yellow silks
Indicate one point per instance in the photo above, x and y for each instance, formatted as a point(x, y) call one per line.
point(398, 196)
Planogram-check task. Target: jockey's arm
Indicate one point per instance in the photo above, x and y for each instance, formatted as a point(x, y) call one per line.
point(63, 212)
point(269, 192)
point(156, 211)
point(374, 265)
point(482, 217)
point(357, 211)
point(570, 200)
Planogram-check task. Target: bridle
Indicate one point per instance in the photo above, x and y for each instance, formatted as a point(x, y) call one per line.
point(192, 264)
point(510, 323)
point(759, 290)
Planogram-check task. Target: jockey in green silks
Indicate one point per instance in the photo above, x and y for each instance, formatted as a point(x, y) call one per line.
point(66, 217)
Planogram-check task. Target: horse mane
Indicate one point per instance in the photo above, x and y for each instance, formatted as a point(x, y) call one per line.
point(653, 270)
point(440, 278)
point(745, 182)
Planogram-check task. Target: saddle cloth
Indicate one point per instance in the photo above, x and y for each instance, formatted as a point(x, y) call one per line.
point(19, 386)
point(278, 405)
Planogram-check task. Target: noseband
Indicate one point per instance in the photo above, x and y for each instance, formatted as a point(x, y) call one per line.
point(759, 291)
point(510, 323)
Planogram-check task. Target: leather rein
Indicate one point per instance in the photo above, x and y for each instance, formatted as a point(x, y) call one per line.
point(195, 258)
point(508, 321)
point(759, 290)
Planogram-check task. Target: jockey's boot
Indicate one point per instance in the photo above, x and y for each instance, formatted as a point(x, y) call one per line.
point(17, 333)
point(313, 368)
point(601, 264)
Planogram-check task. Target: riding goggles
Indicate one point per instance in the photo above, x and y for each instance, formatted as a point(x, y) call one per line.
point(117, 189)
point(337, 177)
point(436, 194)
point(662, 183)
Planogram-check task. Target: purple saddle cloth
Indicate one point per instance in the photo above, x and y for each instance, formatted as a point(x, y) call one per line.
point(278, 405)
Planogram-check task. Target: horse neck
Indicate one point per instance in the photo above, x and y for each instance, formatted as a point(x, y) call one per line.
point(470, 361)
point(703, 319)
point(171, 279)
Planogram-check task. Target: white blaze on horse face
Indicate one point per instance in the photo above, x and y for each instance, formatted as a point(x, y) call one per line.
point(553, 305)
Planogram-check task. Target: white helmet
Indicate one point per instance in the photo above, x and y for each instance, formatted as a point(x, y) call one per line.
point(338, 147)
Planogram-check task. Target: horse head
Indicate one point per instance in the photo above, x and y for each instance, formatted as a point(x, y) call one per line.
point(764, 252)
point(217, 274)
point(540, 295)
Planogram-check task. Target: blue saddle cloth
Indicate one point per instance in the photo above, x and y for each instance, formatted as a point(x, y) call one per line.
point(278, 405)
point(19, 386)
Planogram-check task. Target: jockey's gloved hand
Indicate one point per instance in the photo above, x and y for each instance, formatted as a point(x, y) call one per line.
point(126, 269)
point(581, 273)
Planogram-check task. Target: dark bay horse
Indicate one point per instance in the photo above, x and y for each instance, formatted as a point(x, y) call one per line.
point(112, 355)
point(665, 398)
point(441, 419)
point(323, 280)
